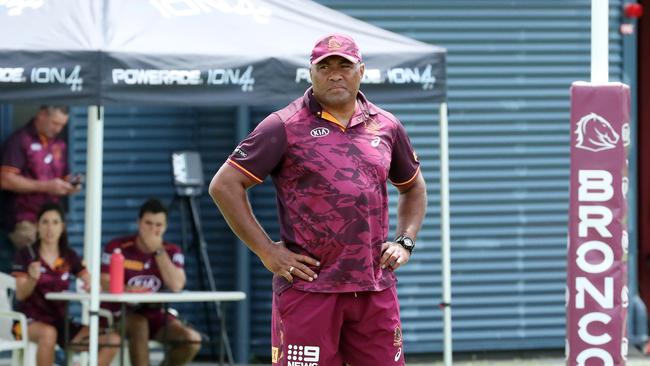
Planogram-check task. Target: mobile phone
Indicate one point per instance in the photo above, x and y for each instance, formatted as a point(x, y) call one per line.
point(76, 179)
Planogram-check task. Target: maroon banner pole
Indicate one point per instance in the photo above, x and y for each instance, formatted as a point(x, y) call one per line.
point(597, 294)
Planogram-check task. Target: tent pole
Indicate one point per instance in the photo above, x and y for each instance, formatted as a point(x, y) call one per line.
point(444, 234)
point(93, 218)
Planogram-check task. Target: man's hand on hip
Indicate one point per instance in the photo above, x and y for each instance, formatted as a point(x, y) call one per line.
point(283, 262)
point(393, 255)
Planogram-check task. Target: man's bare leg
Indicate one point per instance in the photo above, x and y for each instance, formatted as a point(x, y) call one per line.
point(185, 343)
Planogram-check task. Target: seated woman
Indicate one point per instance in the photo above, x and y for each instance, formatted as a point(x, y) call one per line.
point(48, 266)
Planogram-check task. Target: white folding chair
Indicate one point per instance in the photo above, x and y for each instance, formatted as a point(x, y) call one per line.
point(23, 351)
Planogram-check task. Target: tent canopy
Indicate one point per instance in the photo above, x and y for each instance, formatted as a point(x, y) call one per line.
point(194, 52)
point(190, 53)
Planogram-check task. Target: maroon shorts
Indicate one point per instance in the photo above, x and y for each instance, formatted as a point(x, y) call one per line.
point(329, 329)
point(154, 313)
point(73, 329)
point(156, 318)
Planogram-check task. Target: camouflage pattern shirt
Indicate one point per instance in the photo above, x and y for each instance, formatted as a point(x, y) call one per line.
point(331, 187)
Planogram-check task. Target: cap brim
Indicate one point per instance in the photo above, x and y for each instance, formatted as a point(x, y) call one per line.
point(352, 59)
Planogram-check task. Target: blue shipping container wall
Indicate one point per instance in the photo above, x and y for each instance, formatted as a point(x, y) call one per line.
point(138, 143)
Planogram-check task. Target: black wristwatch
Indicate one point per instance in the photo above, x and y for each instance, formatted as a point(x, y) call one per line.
point(406, 242)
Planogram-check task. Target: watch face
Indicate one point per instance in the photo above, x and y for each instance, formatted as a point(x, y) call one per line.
point(408, 242)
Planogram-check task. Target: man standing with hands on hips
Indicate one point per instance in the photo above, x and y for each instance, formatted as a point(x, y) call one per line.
point(330, 154)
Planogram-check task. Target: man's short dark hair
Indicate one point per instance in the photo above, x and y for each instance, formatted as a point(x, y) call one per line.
point(154, 206)
point(51, 108)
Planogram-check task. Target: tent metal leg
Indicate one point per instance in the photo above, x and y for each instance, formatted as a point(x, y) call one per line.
point(93, 218)
point(445, 235)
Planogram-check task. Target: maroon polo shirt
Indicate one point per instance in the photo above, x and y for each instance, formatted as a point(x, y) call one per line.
point(140, 268)
point(52, 279)
point(36, 157)
point(331, 187)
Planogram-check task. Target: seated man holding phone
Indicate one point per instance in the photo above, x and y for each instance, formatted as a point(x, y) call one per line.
point(151, 265)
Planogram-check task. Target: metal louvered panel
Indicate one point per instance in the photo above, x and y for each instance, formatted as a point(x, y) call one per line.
point(264, 204)
point(136, 164)
point(216, 140)
point(137, 149)
point(510, 65)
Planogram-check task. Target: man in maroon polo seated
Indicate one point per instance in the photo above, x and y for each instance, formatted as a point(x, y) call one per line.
point(150, 265)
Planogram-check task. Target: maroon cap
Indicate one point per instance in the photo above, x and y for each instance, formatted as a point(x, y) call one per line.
point(335, 45)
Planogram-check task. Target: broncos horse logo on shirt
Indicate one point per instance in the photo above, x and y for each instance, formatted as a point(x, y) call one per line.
point(595, 133)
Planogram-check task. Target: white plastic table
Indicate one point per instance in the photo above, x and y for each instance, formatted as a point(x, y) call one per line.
point(153, 297)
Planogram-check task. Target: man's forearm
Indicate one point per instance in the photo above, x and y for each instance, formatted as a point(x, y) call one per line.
point(235, 208)
point(411, 208)
point(19, 184)
point(172, 276)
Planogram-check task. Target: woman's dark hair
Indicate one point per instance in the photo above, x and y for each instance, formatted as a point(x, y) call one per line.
point(63, 240)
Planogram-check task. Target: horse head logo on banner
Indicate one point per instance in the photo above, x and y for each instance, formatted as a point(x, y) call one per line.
point(595, 133)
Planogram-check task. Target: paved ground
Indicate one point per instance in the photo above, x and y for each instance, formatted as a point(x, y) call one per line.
point(550, 358)
point(526, 362)
point(537, 358)
point(545, 362)
point(553, 358)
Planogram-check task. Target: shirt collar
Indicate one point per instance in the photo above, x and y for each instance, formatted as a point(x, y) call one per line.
point(362, 113)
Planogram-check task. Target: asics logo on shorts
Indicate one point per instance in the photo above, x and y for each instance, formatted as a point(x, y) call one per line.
point(298, 355)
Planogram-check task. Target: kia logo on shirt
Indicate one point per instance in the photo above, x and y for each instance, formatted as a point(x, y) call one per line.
point(150, 282)
point(320, 132)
